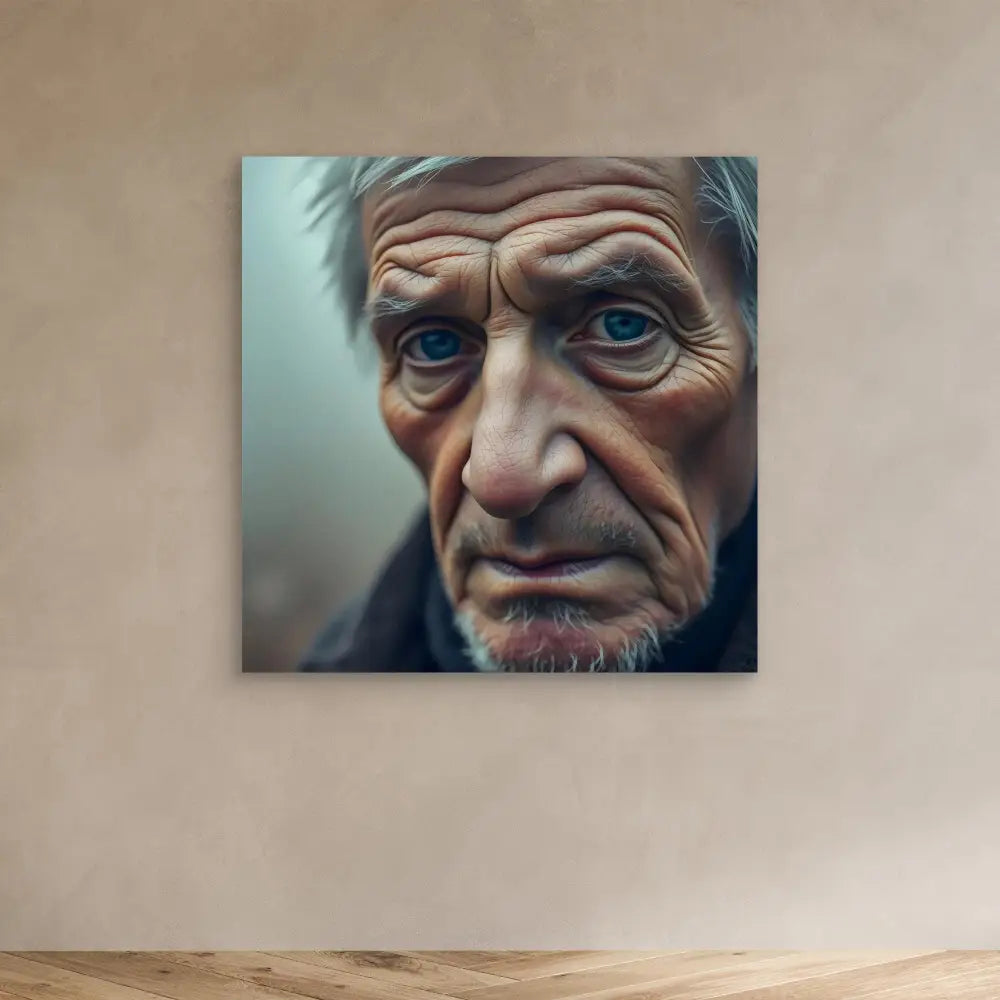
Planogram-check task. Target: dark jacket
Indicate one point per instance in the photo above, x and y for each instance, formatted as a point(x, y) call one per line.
point(402, 624)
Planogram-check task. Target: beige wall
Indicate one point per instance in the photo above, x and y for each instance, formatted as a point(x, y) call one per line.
point(153, 797)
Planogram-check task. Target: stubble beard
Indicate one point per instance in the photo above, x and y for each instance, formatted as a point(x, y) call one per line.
point(635, 655)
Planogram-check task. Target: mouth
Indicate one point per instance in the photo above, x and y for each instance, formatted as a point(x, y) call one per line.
point(571, 576)
point(546, 567)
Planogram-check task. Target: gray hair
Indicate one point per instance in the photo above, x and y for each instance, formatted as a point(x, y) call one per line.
point(727, 198)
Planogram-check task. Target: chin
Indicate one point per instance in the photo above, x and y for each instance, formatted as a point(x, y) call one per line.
point(560, 638)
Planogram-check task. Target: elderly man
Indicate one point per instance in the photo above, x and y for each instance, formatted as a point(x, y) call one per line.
point(568, 357)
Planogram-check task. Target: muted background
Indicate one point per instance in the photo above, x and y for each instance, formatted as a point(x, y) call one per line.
point(325, 492)
point(153, 796)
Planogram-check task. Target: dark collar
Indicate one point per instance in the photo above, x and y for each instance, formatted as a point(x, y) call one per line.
point(383, 631)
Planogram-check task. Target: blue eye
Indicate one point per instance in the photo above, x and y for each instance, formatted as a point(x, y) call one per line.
point(620, 324)
point(437, 345)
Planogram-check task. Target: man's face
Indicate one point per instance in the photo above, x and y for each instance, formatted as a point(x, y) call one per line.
point(564, 362)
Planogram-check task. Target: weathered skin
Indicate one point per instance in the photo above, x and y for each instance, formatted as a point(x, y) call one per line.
point(542, 436)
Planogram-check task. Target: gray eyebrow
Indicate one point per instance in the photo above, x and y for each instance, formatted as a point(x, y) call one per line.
point(630, 270)
point(385, 304)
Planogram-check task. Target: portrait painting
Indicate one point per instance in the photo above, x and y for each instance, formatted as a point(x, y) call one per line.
point(500, 414)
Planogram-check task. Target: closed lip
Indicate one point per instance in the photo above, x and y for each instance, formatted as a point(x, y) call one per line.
point(548, 564)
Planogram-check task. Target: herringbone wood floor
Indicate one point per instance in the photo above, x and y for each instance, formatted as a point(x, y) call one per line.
point(501, 975)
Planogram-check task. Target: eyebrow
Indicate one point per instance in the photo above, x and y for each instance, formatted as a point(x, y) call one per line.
point(634, 269)
point(386, 305)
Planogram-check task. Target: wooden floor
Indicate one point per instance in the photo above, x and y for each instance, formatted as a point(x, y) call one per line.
point(499, 975)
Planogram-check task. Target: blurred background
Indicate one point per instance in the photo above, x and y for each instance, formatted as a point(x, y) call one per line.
point(326, 494)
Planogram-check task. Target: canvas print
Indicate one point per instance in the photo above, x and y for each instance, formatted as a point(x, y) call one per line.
point(500, 414)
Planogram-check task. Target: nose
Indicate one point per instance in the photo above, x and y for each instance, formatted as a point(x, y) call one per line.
point(522, 450)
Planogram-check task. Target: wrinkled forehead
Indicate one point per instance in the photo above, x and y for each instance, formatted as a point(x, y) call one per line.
point(495, 186)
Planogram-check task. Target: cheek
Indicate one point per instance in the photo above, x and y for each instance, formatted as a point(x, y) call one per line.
point(413, 430)
point(677, 463)
point(704, 440)
point(677, 417)
point(733, 459)
point(437, 443)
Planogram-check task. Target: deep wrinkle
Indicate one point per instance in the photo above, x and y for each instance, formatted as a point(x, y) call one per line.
point(460, 195)
point(394, 275)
